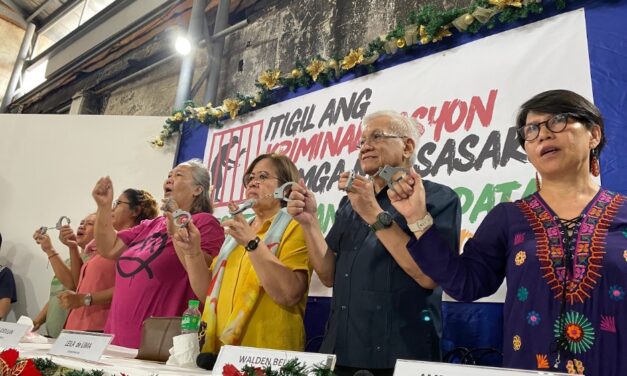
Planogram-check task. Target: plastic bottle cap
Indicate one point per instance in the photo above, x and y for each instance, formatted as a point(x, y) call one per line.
point(194, 303)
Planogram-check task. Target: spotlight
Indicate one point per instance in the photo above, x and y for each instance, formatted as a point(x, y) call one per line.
point(183, 45)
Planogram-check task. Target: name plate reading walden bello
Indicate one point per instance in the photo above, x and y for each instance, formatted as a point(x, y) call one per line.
point(241, 356)
point(11, 334)
point(419, 368)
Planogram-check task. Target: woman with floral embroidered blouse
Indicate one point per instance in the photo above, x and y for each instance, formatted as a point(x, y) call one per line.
point(562, 248)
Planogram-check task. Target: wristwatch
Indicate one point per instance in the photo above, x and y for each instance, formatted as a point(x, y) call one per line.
point(87, 300)
point(422, 224)
point(252, 245)
point(384, 220)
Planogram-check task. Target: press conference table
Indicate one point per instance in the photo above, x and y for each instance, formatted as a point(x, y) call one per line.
point(116, 360)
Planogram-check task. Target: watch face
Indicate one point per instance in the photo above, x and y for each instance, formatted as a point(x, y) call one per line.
point(385, 218)
point(252, 245)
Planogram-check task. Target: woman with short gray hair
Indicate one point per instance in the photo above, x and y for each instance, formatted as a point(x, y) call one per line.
point(151, 279)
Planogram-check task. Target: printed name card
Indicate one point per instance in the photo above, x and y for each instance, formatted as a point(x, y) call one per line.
point(11, 333)
point(418, 368)
point(81, 345)
point(241, 356)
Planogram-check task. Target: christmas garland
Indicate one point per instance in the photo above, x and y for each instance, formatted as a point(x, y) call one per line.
point(291, 368)
point(427, 25)
point(12, 365)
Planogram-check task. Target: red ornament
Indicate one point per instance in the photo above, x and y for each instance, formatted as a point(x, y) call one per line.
point(11, 366)
point(230, 370)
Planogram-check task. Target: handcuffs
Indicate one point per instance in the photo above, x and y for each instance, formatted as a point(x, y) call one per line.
point(278, 194)
point(386, 173)
point(180, 217)
point(60, 223)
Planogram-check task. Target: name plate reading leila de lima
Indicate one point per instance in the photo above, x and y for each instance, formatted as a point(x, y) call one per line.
point(11, 334)
point(419, 368)
point(81, 345)
point(241, 356)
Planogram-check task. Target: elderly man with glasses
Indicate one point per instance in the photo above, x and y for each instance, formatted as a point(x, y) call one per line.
point(381, 307)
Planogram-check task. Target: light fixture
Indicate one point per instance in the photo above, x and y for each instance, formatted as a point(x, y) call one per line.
point(182, 44)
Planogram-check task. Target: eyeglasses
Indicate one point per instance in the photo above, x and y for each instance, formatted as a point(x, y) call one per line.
point(376, 137)
point(556, 124)
point(118, 202)
point(263, 176)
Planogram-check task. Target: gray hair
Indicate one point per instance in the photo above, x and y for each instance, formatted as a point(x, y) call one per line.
point(400, 125)
point(200, 173)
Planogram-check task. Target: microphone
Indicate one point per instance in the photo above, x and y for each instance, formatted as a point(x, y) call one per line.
point(363, 372)
point(207, 360)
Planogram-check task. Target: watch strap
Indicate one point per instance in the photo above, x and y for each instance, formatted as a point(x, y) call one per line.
point(379, 224)
point(421, 225)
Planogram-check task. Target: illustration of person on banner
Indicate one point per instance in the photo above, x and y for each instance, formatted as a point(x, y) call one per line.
point(561, 249)
point(380, 310)
point(259, 281)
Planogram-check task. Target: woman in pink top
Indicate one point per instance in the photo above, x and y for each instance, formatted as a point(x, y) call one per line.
point(95, 278)
point(150, 278)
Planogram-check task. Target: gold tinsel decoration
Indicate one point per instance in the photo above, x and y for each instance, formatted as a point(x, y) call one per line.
point(506, 3)
point(270, 78)
point(353, 58)
point(232, 106)
point(315, 68)
point(443, 33)
point(400, 42)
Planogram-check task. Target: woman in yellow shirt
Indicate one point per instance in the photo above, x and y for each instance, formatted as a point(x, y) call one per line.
point(257, 286)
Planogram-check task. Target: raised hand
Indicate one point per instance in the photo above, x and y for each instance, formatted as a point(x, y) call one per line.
point(44, 242)
point(186, 240)
point(103, 192)
point(238, 227)
point(169, 206)
point(67, 236)
point(302, 205)
point(363, 200)
point(408, 197)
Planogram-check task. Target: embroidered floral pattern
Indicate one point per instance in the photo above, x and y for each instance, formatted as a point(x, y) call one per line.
point(516, 343)
point(575, 367)
point(522, 294)
point(608, 324)
point(519, 238)
point(578, 330)
point(533, 318)
point(543, 361)
point(588, 248)
point(625, 255)
point(616, 293)
point(521, 256)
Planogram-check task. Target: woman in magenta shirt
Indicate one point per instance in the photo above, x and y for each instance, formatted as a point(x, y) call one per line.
point(150, 278)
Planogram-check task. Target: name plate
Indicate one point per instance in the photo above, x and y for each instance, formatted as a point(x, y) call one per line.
point(11, 334)
point(81, 345)
point(241, 356)
point(418, 368)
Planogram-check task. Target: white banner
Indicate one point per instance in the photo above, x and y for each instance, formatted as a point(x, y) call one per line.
point(466, 99)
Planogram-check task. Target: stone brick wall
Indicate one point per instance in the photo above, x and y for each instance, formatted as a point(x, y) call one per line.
point(279, 33)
